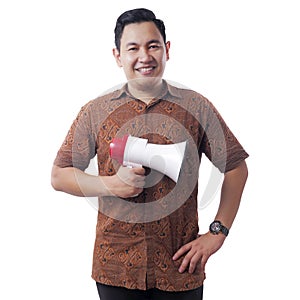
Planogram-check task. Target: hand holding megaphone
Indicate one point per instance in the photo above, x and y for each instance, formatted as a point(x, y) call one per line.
point(127, 182)
point(136, 152)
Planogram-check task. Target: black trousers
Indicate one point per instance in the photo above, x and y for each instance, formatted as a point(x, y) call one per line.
point(107, 292)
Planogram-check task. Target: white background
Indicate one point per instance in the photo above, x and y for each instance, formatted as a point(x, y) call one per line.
point(56, 56)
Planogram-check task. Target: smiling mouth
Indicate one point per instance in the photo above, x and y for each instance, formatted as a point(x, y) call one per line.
point(145, 71)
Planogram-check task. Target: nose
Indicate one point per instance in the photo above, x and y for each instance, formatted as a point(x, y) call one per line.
point(144, 56)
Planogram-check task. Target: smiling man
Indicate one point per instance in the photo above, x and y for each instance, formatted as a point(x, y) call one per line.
point(147, 240)
point(143, 53)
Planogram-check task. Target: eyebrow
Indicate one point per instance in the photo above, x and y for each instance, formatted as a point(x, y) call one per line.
point(149, 42)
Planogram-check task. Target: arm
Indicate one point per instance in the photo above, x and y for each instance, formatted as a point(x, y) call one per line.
point(231, 194)
point(206, 245)
point(126, 183)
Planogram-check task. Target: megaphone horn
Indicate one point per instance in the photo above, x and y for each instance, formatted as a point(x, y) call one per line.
point(133, 151)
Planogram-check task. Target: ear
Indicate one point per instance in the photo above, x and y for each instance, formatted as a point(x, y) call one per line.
point(117, 56)
point(168, 45)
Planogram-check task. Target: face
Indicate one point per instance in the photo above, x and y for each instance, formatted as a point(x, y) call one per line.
point(143, 54)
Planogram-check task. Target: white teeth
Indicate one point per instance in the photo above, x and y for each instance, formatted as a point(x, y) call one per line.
point(145, 69)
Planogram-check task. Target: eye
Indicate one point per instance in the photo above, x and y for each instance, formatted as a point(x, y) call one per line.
point(154, 46)
point(132, 49)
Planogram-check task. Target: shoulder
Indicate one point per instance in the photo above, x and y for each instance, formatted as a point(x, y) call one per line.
point(190, 99)
point(185, 92)
point(104, 101)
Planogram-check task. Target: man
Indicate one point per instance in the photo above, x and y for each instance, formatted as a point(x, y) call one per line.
point(147, 243)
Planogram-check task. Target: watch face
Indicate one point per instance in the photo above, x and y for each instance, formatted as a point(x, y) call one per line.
point(215, 227)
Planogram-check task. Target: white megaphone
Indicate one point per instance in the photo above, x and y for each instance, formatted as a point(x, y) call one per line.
point(132, 152)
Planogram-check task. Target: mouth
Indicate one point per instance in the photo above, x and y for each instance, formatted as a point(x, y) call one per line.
point(145, 70)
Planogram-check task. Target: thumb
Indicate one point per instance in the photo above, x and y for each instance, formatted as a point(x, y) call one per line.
point(139, 171)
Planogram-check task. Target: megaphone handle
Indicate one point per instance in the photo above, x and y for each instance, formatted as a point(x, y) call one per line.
point(132, 165)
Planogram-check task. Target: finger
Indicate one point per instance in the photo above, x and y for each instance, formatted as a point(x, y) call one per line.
point(139, 171)
point(204, 260)
point(129, 177)
point(193, 262)
point(136, 192)
point(186, 261)
point(139, 183)
point(139, 180)
point(181, 251)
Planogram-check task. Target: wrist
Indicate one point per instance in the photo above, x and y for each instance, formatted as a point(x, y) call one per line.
point(106, 187)
point(216, 228)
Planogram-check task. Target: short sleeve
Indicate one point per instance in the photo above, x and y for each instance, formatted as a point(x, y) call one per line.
point(219, 144)
point(79, 146)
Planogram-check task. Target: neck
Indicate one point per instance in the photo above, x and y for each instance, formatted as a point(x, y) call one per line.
point(145, 92)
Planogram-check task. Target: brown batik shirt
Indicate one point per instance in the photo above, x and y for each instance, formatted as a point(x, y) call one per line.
point(137, 237)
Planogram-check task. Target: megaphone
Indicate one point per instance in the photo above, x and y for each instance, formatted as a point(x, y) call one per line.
point(133, 152)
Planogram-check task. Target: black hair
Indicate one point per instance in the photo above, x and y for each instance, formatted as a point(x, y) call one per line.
point(137, 16)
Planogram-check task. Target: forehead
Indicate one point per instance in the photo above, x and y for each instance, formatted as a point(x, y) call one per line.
point(140, 33)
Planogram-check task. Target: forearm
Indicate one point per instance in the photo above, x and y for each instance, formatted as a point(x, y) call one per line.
point(200, 249)
point(128, 182)
point(231, 193)
point(78, 183)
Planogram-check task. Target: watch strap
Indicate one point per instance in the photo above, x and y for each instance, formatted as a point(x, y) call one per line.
point(224, 230)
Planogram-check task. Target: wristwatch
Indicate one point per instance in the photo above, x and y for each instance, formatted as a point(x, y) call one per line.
point(216, 227)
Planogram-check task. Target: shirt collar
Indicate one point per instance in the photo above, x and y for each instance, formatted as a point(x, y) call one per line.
point(168, 89)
